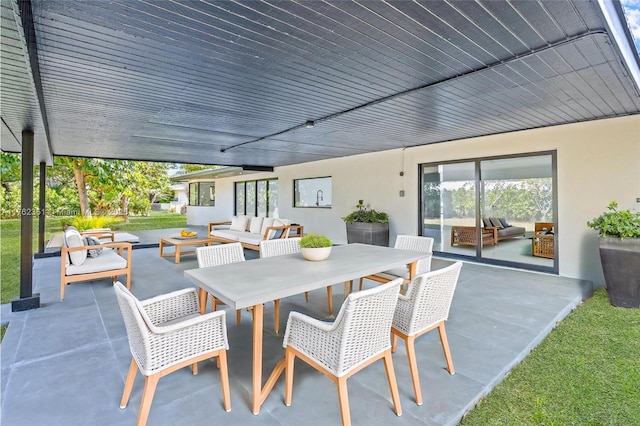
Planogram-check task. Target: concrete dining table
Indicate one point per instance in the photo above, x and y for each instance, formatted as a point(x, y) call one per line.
point(255, 282)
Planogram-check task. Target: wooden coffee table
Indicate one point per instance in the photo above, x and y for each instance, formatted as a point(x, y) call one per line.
point(179, 243)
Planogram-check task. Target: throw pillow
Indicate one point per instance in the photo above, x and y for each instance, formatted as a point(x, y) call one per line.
point(278, 232)
point(74, 239)
point(93, 241)
point(504, 222)
point(266, 222)
point(496, 222)
point(256, 224)
point(239, 223)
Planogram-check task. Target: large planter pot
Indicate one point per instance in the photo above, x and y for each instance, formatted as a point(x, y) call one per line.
point(368, 233)
point(621, 266)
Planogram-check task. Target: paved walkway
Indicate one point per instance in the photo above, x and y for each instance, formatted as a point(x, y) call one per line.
point(65, 363)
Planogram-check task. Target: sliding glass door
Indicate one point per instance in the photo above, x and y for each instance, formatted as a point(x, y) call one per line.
point(495, 210)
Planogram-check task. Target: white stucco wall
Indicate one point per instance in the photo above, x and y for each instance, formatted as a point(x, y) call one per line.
point(598, 162)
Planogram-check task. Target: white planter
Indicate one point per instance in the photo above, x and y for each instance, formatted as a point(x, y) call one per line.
point(315, 254)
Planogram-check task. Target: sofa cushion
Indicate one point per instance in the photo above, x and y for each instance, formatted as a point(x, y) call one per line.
point(248, 238)
point(93, 241)
point(267, 222)
point(496, 222)
point(256, 224)
point(239, 223)
point(72, 238)
point(107, 261)
point(486, 222)
point(512, 230)
point(227, 234)
point(504, 222)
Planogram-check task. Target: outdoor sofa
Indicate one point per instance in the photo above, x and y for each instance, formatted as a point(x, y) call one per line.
point(250, 230)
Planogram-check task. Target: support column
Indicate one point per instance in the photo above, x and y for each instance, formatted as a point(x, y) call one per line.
point(42, 204)
point(27, 299)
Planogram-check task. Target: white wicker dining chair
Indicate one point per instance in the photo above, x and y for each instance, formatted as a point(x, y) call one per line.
point(406, 242)
point(359, 336)
point(219, 254)
point(167, 333)
point(425, 307)
point(282, 246)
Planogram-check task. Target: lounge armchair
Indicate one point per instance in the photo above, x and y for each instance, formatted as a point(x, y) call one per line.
point(77, 265)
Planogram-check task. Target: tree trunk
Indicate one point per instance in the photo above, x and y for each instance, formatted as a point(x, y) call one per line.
point(125, 208)
point(85, 209)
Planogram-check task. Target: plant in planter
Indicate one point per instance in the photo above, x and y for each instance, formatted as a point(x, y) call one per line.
point(315, 247)
point(367, 226)
point(620, 254)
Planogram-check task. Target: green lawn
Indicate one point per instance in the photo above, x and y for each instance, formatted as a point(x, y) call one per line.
point(10, 243)
point(586, 372)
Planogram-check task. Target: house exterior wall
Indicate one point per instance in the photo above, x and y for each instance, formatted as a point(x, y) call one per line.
point(597, 162)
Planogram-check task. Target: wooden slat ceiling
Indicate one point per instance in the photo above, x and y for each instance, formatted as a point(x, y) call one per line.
point(234, 82)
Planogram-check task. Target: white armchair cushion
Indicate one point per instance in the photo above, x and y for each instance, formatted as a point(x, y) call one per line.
point(108, 260)
point(72, 238)
point(256, 224)
point(266, 222)
point(239, 223)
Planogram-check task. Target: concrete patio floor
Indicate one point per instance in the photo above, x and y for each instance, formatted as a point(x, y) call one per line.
point(65, 363)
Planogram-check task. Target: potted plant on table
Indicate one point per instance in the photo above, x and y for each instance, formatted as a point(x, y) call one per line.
point(315, 247)
point(367, 226)
point(620, 254)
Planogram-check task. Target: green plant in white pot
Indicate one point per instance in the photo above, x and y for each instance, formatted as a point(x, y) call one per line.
point(315, 247)
point(620, 254)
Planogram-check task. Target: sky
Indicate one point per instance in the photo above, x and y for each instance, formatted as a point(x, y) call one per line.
point(632, 10)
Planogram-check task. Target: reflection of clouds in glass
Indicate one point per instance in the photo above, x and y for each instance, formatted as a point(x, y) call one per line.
point(632, 12)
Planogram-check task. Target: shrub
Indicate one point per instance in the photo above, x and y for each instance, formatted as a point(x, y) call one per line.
point(617, 223)
point(315, 241)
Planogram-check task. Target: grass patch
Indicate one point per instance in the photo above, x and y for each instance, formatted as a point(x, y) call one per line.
point(10, 243)
point(586, 372)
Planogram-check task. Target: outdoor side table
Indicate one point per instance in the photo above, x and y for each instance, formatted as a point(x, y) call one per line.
point(179, 243)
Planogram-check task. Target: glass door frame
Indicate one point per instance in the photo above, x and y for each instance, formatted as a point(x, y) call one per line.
point(478, 211)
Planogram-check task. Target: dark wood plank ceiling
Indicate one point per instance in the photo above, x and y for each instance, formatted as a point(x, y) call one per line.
point(234, 82)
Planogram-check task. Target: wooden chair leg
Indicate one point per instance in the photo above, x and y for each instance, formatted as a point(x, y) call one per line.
point(202, 300)
point(330, 300)
point(394, 343)
point(128, 383)
point(393, 384)
point(361, 282)
point(194, 368)
point(276, 315)
point(413, 367)
point(445, 347)
point(290, 357)
point(150, 384)
point(306, 296)
point(343, 397)
point(224, 379)
point(238, 316)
